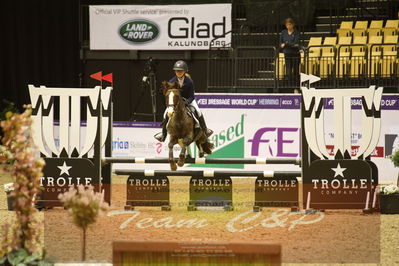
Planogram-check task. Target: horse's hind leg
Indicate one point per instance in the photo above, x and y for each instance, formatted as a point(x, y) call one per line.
point(172, 162)
point(201, 150)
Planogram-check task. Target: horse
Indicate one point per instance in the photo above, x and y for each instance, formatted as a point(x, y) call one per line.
point(181, 126)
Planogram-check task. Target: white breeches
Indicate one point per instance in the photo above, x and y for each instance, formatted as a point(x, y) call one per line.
point(195, 105)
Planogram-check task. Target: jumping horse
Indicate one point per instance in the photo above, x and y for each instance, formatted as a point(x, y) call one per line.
point(181, 126)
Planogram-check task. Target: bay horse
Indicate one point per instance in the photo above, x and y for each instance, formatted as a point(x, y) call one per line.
point(181, 126)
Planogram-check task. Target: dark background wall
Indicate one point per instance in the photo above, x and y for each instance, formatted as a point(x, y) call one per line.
point(40, 46)
point(129, 95)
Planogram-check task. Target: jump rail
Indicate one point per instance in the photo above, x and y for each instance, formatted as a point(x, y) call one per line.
point(137, 160)
point(209, 173)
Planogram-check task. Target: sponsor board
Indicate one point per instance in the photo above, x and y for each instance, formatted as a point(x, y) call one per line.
point(163, 27)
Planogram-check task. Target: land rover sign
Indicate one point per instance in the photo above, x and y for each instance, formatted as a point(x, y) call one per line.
point(161, 27)
point(139, 31)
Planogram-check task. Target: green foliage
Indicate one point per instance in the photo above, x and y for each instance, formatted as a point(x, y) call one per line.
point(22, 257)
point(395, 158)
point(9, 109)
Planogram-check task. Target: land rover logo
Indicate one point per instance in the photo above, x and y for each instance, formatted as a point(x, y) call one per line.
point(139, 31)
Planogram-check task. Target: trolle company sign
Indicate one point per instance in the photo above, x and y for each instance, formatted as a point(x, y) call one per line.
point(67, 161)
point(342, 180)
point(168, 27)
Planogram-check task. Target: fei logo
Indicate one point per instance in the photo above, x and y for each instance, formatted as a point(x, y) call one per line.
point(279, 142)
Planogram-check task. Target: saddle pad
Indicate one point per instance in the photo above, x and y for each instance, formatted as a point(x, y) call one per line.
point(191, 113)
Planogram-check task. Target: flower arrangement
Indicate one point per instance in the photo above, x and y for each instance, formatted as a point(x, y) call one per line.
point(8, 188)
point(84, 205)
point(390, 189)
point(20, 242)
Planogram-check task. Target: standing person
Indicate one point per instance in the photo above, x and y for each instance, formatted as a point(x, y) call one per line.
point(186, 85)
point(289, 43)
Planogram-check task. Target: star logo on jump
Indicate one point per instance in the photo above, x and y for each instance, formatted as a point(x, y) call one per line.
point(64, 168)
point(338, 171)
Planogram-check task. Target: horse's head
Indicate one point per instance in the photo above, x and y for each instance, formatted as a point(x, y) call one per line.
point(172, 95)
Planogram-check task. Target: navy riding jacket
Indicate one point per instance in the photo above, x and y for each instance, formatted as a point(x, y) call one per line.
point(291, 41)
point(187, 88)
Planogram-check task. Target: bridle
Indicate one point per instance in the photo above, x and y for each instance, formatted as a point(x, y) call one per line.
point(171, 106)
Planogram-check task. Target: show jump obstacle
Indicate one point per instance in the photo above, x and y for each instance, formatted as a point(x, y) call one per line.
point(339, 181)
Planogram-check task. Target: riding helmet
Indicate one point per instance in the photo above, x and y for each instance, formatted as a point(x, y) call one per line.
point(180, 65)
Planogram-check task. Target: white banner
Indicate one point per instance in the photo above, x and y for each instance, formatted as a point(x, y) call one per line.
point(166, 27)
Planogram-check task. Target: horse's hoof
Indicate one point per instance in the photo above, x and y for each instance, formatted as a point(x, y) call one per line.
point(180, 163)
point(173, 167)
point(201, 154)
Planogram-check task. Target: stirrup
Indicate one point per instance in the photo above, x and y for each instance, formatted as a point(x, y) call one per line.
point(208, 132)
point(159, 136)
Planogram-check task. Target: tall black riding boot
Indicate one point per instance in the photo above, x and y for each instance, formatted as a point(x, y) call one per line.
point(207, 131)
point(161, 136)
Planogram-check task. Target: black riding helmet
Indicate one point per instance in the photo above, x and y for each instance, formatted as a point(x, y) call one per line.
point(180, 65)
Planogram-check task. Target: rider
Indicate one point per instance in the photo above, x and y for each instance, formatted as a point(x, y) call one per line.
point(186, 85)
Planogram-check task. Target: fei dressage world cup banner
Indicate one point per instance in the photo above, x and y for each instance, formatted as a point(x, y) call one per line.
point(163, 27)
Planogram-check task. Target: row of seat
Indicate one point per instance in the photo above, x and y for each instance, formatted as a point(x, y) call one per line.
point(376, 45)
point(374, 24)
point(353, 52)
point(345, 66)
point(361, 28)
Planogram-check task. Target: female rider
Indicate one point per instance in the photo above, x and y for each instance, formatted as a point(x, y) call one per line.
point(186, 85)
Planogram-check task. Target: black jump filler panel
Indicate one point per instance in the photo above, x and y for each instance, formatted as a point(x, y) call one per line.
point(339, 184)
point(61, 173)
point(148, 191)
point(214, 191)
point(276, 192)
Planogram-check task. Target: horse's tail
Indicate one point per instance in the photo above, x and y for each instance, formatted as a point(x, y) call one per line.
point(207, 147)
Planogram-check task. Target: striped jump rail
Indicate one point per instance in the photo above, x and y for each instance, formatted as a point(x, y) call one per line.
point(137, 160)
point(209, 173)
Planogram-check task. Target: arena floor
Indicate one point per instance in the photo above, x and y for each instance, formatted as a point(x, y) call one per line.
point(333, 237)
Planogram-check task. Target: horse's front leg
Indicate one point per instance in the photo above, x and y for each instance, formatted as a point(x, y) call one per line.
point(172, 162)
point(182, 156)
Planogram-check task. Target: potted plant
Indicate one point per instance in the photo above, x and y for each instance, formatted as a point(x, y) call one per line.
point(8, 188)
point(84, 205)
point(389, 196)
